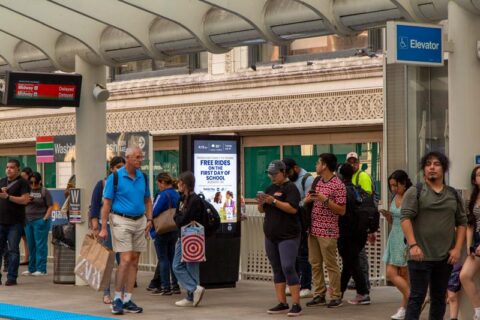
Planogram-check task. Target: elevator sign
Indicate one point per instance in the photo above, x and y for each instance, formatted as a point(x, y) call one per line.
point(416, 44)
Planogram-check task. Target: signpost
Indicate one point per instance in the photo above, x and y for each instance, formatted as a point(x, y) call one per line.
point(415, 44)
point(75, 213)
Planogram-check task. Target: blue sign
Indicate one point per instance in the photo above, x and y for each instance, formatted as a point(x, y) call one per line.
point(414, 44)
point(477, 159)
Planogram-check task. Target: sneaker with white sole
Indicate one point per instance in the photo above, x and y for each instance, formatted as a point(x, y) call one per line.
point(295, 311)
point(26, 273)
point(38, 273)
point(306, 293)
point(198, 295)
point(184, 303)
point(400, 315)
point(360, 299)
point(279, 308)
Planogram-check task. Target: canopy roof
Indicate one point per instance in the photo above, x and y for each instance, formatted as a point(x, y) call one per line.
point(45, 35)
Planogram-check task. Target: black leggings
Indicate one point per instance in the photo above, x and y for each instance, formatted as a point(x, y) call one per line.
point(349, 249)
point(282, 255)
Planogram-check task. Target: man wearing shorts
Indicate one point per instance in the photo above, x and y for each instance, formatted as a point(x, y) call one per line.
point(127, 201)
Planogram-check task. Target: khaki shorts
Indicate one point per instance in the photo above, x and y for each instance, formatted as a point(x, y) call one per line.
point(127, 234)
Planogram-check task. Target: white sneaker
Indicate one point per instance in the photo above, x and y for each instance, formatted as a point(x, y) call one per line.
point(198, 295)
point(400, 315)
point(287, 291)
point(306, 293)
point(38, 273)
point(184, 303)
point(26, 273)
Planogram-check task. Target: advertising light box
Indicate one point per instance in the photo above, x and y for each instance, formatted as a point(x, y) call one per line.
point(32, 89)
point(215, 164)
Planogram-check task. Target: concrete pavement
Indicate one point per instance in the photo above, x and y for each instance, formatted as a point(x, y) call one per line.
point(249, 300)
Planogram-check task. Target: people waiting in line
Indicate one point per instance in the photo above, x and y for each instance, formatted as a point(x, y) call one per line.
point(363, 180)
point(128, 203)
point(166, 283)
point(351, 241)
point(280, 202)
point(25, 174)
point(96, 203)
point(188, 210)
point(395, 251)
point(14, 196)
point(471, 266)
point(434, 223)
point(303, 180)
point(37, 215)
point(329, 200)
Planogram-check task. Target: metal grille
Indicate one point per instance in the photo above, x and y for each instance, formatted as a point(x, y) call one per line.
point(255, 264)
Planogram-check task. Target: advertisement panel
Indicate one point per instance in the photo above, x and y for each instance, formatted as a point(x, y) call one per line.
point(117, 144)
point(215, 164)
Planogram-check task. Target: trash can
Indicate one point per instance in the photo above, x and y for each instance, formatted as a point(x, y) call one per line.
point(63, 264)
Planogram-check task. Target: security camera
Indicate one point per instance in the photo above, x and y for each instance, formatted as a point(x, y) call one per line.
point(100, 93)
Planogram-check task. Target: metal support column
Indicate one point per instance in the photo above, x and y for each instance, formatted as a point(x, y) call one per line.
point(463, 82)
point(90, 143)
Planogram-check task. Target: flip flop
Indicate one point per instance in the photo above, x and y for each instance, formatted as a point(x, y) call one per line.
point(107, 300)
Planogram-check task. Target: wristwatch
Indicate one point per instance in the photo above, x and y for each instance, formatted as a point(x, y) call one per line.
point(274, 202)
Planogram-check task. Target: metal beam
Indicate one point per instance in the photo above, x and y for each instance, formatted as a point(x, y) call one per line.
point(83, 29)
point(7, 49)
point(252, 11)
point(409, 12)
point(176, 11)
point(119, 15)
point(32, 32)
point(325, 9)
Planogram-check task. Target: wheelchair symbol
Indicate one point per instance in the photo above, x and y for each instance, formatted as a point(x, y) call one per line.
point(403, 42)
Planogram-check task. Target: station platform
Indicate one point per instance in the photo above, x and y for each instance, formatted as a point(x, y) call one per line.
point(249, 300)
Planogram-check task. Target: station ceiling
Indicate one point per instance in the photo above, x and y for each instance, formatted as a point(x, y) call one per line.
point(45, 35)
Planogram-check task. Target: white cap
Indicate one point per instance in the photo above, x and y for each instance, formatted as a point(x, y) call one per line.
point(352, 155)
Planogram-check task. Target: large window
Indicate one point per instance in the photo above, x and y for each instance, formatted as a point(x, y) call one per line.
point(165, 161)
point(256, 161)
point(49, 174)
point(258, 158)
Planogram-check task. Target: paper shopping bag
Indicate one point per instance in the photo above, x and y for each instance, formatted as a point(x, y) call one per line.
point(95, 263)
point(193, 242)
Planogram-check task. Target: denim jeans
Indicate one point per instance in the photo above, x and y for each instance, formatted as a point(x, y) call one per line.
point(422, 275)
point(165, 248)
point(11, 233)
point(349, 249)
point(304, 269)
point(364, 266)
point(37, 240)
point(187, 273)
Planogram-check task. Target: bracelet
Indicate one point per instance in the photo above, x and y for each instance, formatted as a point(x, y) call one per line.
point(412, 246)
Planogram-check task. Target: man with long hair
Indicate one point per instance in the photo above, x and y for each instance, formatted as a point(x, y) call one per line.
point(434, 223)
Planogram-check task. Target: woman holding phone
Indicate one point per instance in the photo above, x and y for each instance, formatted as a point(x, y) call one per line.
point(282, 235)
point(395, 252)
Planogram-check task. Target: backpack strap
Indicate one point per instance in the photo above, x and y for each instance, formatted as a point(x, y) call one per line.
point(115, 182)
point(304, 180)
point(419, 187)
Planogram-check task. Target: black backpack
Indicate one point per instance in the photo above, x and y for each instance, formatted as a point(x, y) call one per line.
point(210, 217)
point(366, 209)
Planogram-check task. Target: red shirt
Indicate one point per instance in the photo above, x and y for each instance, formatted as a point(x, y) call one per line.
point(324, 221)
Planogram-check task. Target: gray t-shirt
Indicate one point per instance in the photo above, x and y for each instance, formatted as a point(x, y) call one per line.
point(434, 218)
point(37, 208)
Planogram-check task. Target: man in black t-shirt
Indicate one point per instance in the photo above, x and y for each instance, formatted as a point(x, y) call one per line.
point(14, 195)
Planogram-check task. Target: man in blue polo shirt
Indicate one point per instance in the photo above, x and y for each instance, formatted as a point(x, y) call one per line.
point(130, 206)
